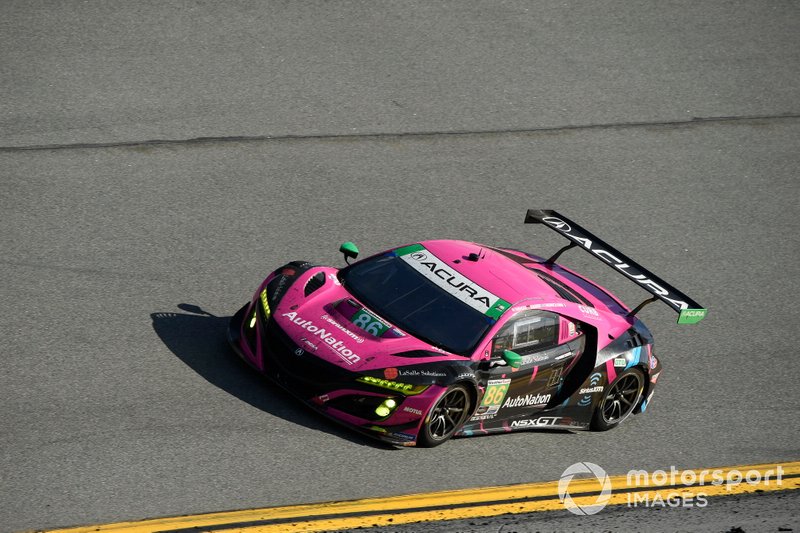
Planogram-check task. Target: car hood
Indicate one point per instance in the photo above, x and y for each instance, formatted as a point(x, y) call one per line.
point(320, 322)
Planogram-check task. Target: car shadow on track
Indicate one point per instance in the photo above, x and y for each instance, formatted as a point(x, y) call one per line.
point(198, 338)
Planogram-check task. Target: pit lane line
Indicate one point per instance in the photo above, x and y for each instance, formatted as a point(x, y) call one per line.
point(461, 504)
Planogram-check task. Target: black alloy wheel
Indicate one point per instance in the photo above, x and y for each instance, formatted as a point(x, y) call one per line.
point(446, 416)
point(619, 400)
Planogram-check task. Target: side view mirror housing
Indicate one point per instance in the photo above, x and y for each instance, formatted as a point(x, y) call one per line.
point(349, 250)
point(513, 359)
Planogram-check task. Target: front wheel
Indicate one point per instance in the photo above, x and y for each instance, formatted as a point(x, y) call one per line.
point(446, 416)
point(619, 400)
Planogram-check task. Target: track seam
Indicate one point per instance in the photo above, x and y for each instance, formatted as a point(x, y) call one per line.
point(413, 134)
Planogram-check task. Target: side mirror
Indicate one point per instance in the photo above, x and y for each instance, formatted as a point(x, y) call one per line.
point(513, 359)
point(349, 250)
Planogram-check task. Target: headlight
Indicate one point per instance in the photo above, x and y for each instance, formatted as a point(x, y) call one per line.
point(406, 388)
point(265, 304)
point(386, 408)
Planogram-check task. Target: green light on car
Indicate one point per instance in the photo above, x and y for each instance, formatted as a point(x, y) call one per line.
point(265, 304)
point(406, 388)
point(386, 408)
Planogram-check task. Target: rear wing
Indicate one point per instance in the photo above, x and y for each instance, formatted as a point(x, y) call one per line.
point(690, 312)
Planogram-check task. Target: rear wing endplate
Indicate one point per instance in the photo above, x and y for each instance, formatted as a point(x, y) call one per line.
point(690, 312)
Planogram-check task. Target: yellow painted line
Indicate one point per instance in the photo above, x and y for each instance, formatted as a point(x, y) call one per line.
point(458, 504)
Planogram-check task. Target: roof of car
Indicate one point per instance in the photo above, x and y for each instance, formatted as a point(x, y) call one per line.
point(516, 276)
point(492, 270)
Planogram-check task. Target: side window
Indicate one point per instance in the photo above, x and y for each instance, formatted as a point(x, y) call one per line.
point(526, 333)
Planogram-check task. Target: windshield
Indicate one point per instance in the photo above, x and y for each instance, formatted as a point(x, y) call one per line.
point(394, 290)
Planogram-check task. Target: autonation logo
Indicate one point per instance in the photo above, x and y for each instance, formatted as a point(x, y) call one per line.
point(585, 488)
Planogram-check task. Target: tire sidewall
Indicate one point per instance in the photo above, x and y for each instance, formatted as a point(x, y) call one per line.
point(425, 439)
point(599, 422)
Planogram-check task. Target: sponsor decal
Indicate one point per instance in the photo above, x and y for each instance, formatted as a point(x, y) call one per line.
point(454, 283)
point(390, 373)
point(331, 342)
point(359, 339)
point(537, 306)
point(653, 362)
point(369, 323)
point(691, 316)
point(428, 373)
point(299, 351)
point(620, 362)
point(555, 377)
point(496, 390)
point(281, 286)
point(589, 311)
point(309, 343)
point(571, 327)
point(558, 224)
point(403, 436)
point(528, 359)
point(594, 380)
point(527, 400)
point(413, 411)
point(623, 267)
point(536, 422)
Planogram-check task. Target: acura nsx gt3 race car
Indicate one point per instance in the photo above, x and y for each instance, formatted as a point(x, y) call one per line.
point(448, 338)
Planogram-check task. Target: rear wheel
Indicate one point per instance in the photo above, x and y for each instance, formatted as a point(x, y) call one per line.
point(619, 400)
point(446, 416)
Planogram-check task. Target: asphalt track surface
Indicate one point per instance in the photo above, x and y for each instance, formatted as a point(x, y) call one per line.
point(157, 161)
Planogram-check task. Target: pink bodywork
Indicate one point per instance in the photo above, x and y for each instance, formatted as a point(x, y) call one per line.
point(302, 318)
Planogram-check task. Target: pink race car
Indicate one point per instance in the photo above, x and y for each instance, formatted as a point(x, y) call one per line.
point(448, 338)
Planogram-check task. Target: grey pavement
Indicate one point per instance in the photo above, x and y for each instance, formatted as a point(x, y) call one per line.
point(121, 400)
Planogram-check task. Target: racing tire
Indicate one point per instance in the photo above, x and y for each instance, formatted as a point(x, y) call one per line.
point(619, 400)
point(446, 416)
